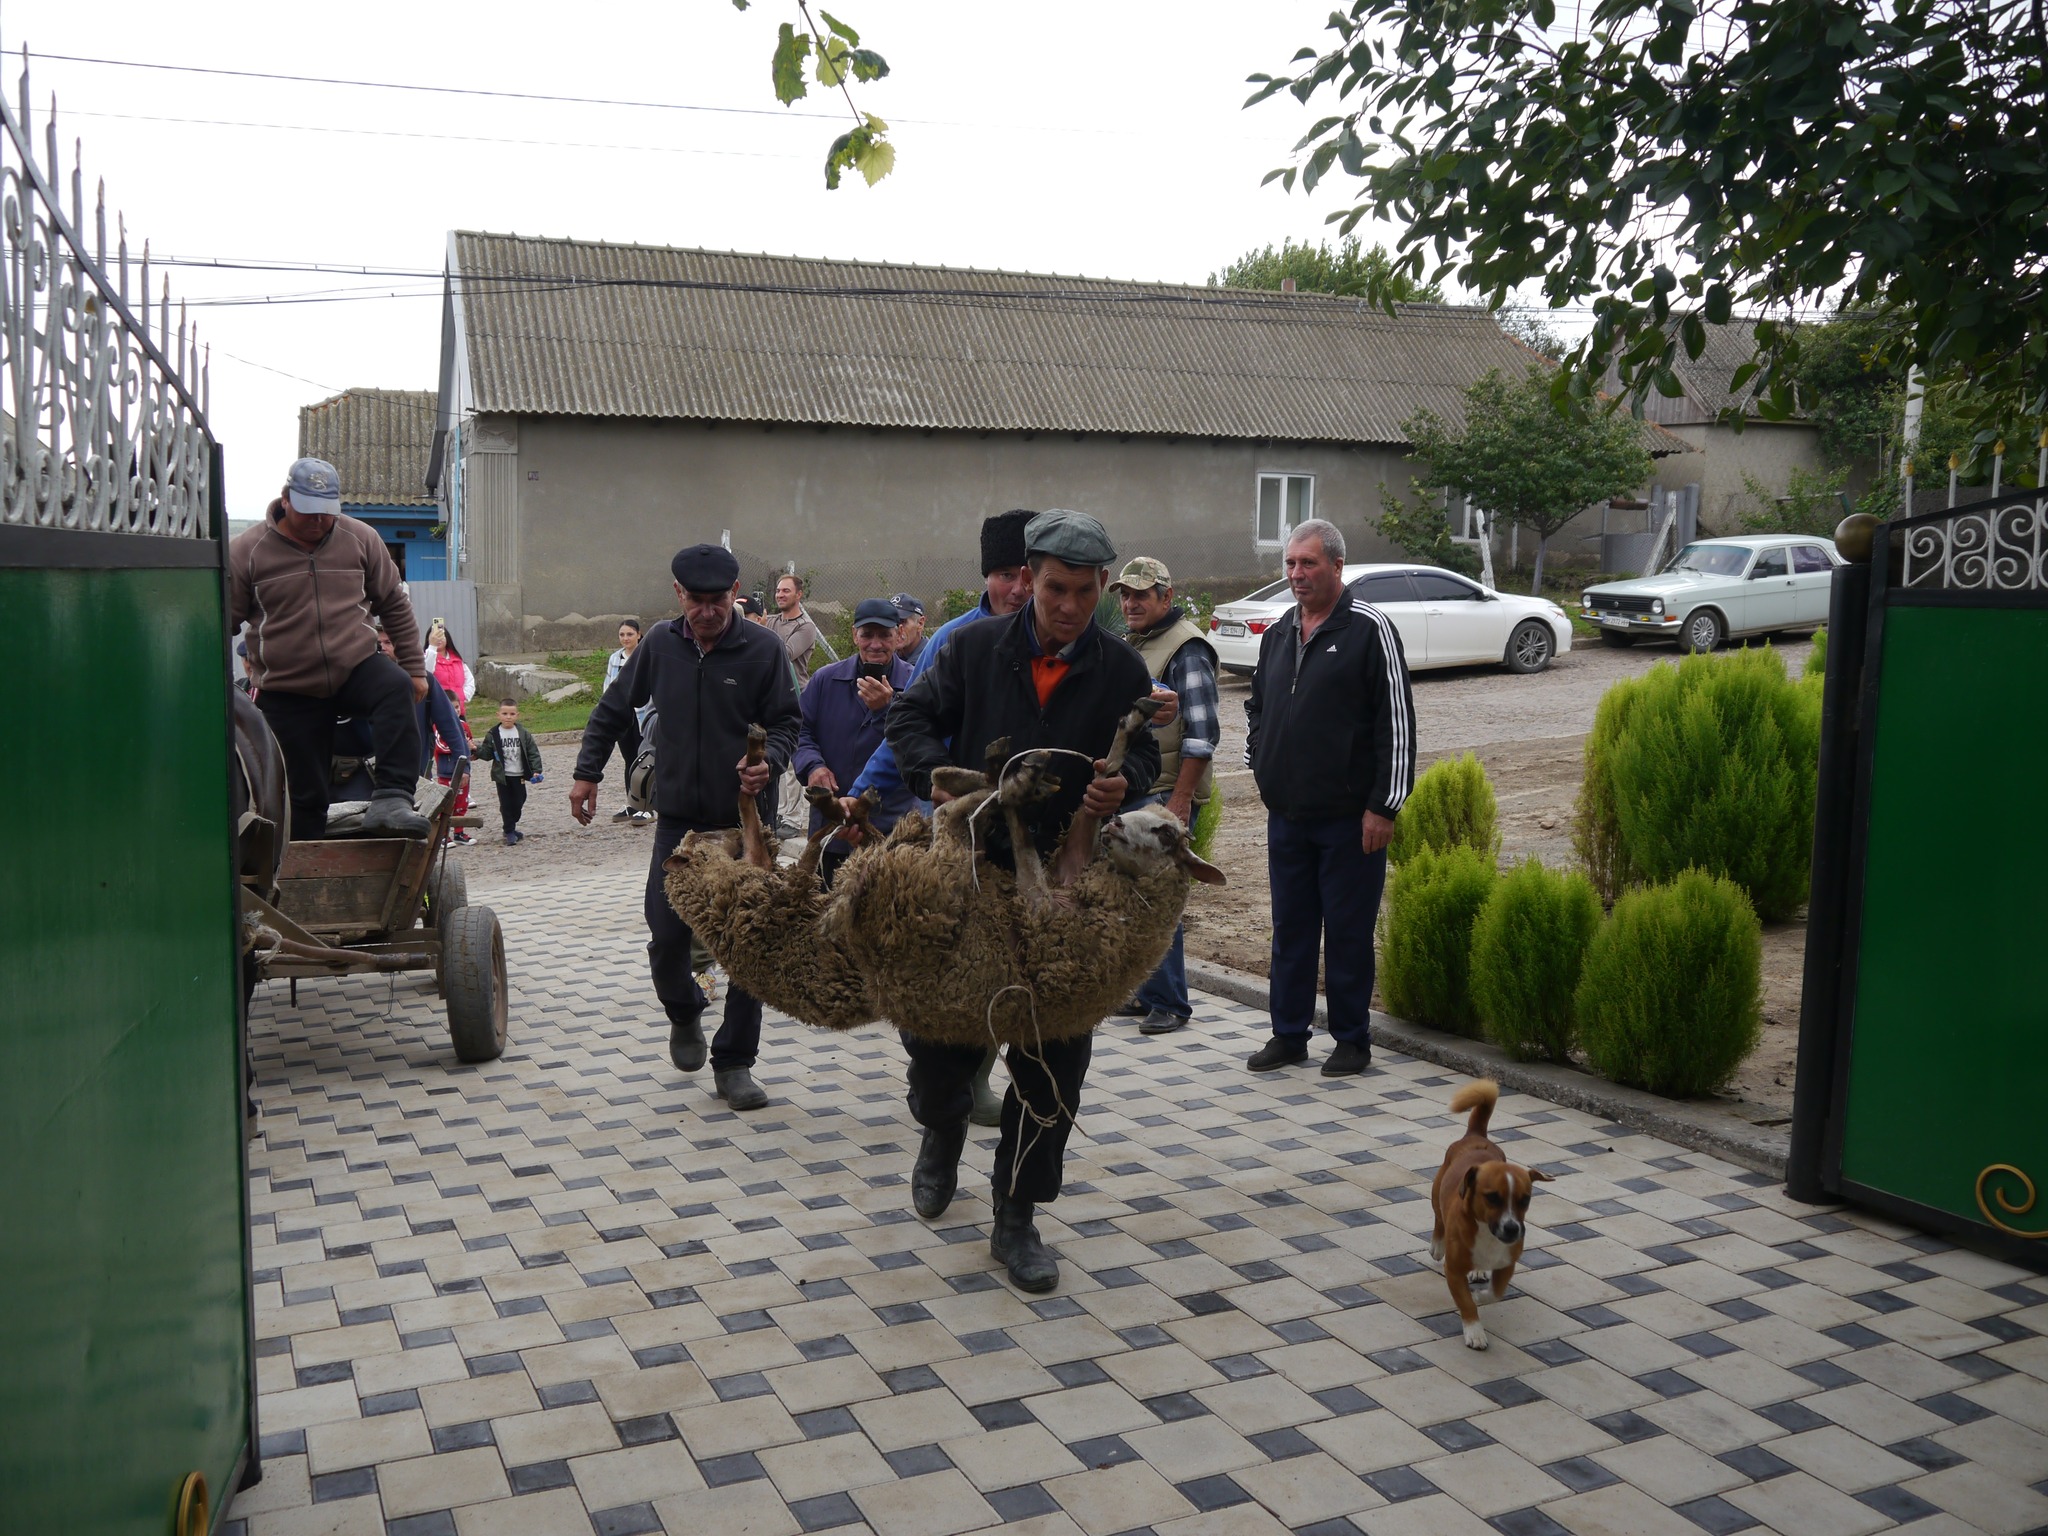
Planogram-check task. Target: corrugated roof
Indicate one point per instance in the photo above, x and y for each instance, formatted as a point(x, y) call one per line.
point(562, 327)
point(378, 439)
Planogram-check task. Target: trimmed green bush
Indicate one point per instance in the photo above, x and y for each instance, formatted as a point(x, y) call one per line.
point(1208, 817)
point(1426, 941)
point(1670, 998)
point(1528, 945)
point(1710, 765)
point(1817, 658)
point(1451, 806)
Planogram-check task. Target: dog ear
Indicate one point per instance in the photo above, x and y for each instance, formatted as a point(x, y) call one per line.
point(1470, 1182)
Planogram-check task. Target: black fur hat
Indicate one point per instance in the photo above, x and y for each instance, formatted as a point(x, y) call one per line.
point(1002, 540)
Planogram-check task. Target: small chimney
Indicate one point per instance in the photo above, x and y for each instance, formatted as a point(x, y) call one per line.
point(1287, 285)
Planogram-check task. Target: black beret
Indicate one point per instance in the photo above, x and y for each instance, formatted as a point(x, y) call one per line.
point(705, 568)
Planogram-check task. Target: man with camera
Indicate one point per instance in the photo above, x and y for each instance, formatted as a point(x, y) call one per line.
point(843, 706)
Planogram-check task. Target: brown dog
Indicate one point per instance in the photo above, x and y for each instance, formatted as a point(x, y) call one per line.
point(1482, 1204)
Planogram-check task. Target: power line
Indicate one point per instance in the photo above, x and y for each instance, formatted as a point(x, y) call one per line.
point(436, 90)
point(457, 138)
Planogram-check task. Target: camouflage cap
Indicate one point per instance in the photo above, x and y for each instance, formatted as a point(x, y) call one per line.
point(1074, 538)
point(1142, 575)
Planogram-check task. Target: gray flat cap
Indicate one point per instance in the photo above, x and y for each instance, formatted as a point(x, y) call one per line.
point(1072, 537)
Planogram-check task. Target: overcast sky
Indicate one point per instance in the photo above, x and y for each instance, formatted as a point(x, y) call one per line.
point(1099, 139)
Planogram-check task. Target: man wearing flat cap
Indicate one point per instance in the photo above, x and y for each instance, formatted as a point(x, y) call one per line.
point(709, 675)
point(312, 584)
point(1047, 676)
point(1179, 656)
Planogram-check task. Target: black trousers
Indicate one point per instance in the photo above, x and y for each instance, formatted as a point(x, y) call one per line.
point(511, 801)
point(738, 1040)
point(379, 690)
point(1031, 1151)
point(1326, 893)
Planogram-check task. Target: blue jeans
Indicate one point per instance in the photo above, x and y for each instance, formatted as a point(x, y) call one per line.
point(1166, 989)
point(1326, 895)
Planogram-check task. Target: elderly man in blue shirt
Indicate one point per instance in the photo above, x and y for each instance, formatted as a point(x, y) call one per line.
point(843, 707)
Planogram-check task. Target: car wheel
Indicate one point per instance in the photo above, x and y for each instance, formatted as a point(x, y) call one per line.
point(1618, 641)
point(1704, 631)
point(1530, 647)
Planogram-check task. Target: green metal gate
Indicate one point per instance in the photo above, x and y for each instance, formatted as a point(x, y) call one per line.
point(1923, 1064)
point(126, 1359)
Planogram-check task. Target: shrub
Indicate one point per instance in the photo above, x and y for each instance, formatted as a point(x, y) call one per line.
point(1528, 944)
point(1669, 998)
point(1817, 658)
point(1451, 806)
point(1426, 948)
point(1707, 765)
point(1208, 817)
point(955, 601)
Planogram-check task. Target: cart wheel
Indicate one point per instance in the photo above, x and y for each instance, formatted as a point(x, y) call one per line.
point(450, 889)
point(473, 969)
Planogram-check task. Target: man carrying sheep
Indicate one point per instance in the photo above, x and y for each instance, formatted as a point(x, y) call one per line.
point(1331, 742)
point(709, 675)
point(1046, 677)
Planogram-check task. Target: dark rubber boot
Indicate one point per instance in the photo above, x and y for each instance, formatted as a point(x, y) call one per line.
point(737, 1087)
point(1015, 1243)
point(686, 1046)
point(988, 1104)
point(937, 1172)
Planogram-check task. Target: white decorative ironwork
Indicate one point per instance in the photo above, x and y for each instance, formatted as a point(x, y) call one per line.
point(1997, 546)
point(102, 420)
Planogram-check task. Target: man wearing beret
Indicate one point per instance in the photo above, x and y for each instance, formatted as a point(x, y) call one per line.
point(1048, 676)
point(709, 675)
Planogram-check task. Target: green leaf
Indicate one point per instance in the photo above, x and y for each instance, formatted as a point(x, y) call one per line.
point(831, 67)
point(841, 28)
point(867, 64)
point(791, 49)
point(877, 160)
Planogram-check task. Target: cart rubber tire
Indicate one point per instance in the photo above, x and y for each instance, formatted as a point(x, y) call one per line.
point(473, 965)
point(450, 890)
point(1618, 641)
point(1530, 647)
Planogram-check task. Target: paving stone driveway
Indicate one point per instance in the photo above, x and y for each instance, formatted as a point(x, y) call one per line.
point(569, 1291)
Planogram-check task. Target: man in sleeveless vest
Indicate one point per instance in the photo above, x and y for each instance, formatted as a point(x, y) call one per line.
point(1181, 660)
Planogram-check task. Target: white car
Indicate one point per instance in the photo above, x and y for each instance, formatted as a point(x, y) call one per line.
point(1715, 588)
point(1444, 620)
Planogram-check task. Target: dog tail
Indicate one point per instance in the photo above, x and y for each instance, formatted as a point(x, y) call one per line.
point(1479, 1097)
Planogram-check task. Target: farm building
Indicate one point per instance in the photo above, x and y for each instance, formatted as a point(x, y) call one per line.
point(379, 441)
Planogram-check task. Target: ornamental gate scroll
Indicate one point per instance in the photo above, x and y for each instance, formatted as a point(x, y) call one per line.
point(1923, 1045)
point(127, 1397)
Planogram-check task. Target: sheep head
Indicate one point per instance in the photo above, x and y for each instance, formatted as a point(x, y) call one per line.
point(1138, 842)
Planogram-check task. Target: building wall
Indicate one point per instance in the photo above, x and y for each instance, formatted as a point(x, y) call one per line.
point(581, 515)
point(1767, 450)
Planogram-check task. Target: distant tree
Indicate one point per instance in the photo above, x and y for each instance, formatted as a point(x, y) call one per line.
point(1349, 270)
point(1522, 461)
point(1534, 332)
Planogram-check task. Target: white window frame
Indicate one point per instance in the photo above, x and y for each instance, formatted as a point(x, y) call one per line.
point(1259, 494)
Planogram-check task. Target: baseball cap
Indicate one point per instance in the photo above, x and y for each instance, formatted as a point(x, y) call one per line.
point(907, 606)
point(1143, 574)
point(315, 488)
point(876, 610)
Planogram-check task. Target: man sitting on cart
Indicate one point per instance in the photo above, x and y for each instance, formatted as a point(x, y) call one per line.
point(308, 581)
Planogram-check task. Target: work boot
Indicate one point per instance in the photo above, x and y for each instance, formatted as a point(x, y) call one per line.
point(737, 1087)
point(686, 1043)
point(936, 1174)
point(988, 1104)
point(1280, 1051)
point(393, 816)
point(1160, 1022)
point(1350, 1058)
point(1015, 1242)
point(1130, 1010)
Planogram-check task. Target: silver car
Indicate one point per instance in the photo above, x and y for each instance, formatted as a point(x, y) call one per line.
point(1718, 588)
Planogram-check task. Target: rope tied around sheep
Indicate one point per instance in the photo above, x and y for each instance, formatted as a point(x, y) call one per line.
point(1002, 774)
point(1040, 1124)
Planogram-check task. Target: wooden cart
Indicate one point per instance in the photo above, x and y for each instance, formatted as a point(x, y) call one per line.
point(355, 905)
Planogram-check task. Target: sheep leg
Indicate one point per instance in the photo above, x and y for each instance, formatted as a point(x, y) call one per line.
point(1029, 782)
point(753, 837)
point(1078, 846)
point(859, 817)
point(826, 804)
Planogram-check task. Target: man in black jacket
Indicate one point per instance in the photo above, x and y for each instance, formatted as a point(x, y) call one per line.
point(710, 675)
point(1045, 677)
point(1332, 745)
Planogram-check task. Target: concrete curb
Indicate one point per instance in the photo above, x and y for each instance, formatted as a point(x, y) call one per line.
point(1698, 1127)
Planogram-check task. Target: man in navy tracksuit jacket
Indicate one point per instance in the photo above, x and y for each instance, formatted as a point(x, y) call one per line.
point(1332, 746)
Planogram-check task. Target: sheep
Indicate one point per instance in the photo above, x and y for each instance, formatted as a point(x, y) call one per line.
point(922, 932)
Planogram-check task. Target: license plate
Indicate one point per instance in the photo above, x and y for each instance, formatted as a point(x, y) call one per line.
point(1231, 631)
point(1608, 618)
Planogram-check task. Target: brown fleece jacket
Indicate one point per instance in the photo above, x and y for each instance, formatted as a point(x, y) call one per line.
point(309, 611)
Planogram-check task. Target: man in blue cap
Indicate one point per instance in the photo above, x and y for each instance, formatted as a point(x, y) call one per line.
point(1048, 676)
point(843, 706)
point(709, 675)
